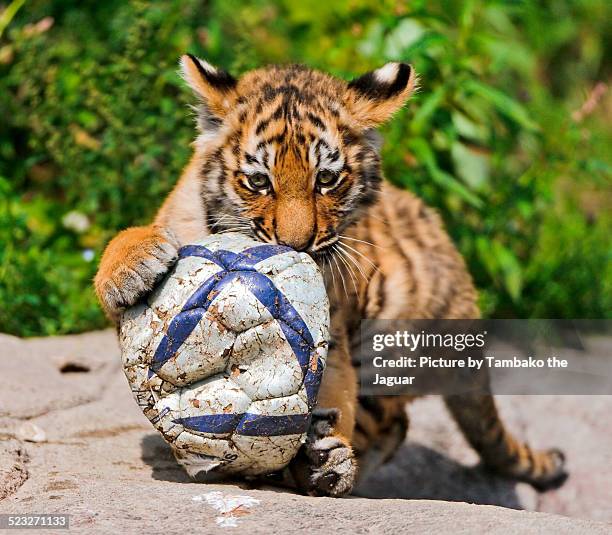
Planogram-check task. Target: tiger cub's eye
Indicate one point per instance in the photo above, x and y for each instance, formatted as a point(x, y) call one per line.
point(326, 178)
point(258, 181)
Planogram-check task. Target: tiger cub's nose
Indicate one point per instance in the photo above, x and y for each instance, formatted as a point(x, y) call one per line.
point(295, 224)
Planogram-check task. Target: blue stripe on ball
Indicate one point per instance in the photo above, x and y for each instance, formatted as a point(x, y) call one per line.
point(211, 423)
point(240, 266)
point(293, 326)
point(247, 424)
point(231, 261)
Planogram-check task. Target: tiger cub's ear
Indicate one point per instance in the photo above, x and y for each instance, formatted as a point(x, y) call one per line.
point(215, 87)
point(375, 96)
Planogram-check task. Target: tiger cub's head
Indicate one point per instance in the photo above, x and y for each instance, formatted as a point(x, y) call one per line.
point(290, 154)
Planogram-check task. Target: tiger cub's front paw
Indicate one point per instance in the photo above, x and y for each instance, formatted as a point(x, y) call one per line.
point(326, 465)
point(131, 265)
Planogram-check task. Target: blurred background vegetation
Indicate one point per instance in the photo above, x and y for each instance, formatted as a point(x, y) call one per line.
point(509, 137)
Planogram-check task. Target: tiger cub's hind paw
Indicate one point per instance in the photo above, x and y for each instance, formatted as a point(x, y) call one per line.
point(542, 469)
point(549, 470)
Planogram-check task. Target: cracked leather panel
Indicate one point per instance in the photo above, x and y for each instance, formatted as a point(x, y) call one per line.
point(226, 355)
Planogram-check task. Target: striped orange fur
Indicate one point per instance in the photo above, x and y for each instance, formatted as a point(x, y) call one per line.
point(291, 155)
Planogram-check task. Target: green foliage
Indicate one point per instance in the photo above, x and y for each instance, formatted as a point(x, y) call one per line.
point(95, 130)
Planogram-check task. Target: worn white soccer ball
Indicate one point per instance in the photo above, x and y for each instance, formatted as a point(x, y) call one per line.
point(225, 357)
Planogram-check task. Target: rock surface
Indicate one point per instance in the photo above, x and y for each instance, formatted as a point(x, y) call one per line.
point(100, 461)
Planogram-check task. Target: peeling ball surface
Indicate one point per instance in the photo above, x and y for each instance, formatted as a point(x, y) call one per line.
point(220, 356)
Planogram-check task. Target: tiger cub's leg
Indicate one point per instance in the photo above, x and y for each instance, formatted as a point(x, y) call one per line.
point(380, 429)
point(326, 464)
point(479, 420)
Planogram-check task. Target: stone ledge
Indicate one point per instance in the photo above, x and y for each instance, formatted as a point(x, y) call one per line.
point(101, 461)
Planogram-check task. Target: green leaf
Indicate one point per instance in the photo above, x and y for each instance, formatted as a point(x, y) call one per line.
point(486, 256)
point(510, 269)
point(506, 105)
point(468, 128)
point(501, 264)
point(407, 32)
point(471, 165)
point(427, 108)
point(423, 152)
point(371, 43)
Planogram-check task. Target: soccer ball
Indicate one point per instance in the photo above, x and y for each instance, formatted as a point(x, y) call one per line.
point(225, 357)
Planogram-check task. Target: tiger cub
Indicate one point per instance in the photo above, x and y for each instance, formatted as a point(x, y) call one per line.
point(290, 155)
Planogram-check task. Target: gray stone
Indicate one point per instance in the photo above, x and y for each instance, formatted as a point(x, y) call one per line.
point(13, 471)
point(105, 465)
